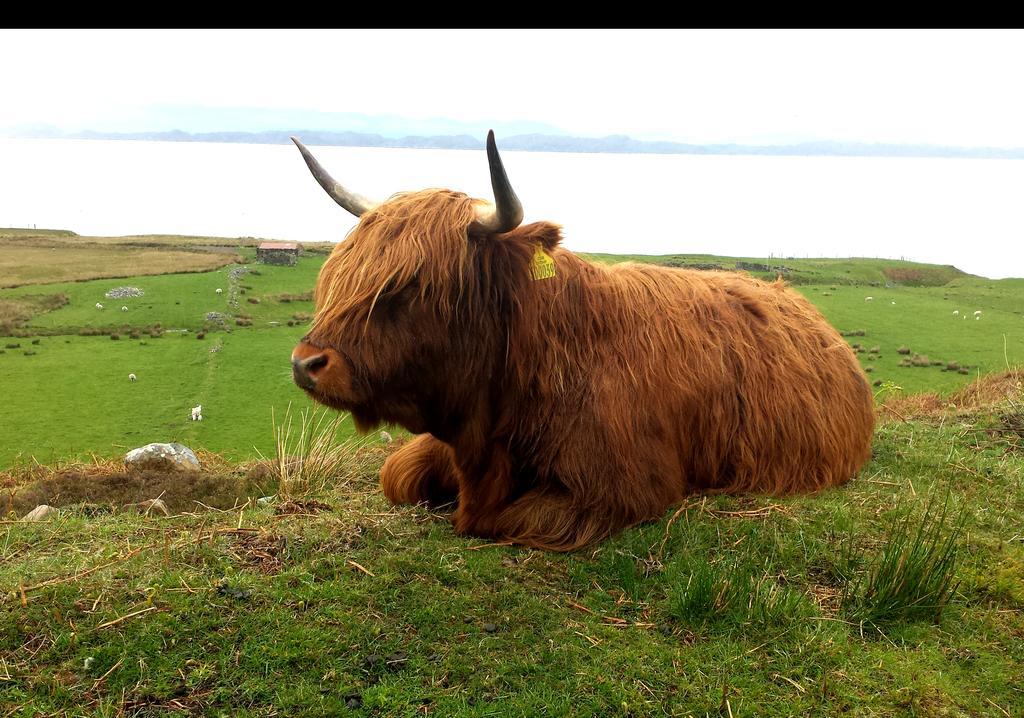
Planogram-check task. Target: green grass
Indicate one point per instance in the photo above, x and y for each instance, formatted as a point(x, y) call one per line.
point(239, 376)
point(913, 576)
point(263, 610)
point(74, 398)
point(922, 320)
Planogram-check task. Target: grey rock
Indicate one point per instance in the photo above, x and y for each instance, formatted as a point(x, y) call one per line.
point(40, 513)
point(123, 292)
point(174, 457)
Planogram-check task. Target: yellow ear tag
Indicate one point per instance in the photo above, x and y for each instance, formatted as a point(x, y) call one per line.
point(542, 266)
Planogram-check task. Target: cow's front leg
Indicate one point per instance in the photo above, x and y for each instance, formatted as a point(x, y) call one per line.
point(421, 471)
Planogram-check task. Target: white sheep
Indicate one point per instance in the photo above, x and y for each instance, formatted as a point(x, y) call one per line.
point(956, 312)
point(197, 413)
point(977, 312)
point(124, 309)
point(99, 306)
point(132, 377)
point(219, 290)
point(868, 299)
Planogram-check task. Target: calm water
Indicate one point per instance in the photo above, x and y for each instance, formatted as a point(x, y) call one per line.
point(969, 213)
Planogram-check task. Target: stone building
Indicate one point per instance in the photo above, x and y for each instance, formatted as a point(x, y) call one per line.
point(277, 253)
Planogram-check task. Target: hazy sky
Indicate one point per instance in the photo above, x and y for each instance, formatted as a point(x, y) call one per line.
point(958, 87)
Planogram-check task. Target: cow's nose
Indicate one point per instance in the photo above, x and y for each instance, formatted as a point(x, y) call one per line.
point(305, 371)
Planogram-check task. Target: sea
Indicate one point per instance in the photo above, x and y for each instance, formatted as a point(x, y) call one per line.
point(964, 212)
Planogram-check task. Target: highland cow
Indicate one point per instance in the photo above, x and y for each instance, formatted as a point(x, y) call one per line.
point(556, 401)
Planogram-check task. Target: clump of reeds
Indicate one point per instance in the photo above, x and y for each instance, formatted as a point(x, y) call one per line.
point(914, 575)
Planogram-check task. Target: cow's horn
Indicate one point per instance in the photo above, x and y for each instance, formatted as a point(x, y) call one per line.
point(354, 203)
point(506, 213)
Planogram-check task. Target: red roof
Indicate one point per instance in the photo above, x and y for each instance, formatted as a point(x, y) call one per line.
point(278, 245)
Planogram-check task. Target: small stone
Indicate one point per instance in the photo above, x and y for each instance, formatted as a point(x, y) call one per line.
point(265, 500)
point(490, 627)
point(353, 701)
point(41, 512)
point(372, 661)
point(240, 594)
point(397, 660)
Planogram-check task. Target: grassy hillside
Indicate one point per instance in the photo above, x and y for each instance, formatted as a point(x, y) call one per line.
point(858, 270)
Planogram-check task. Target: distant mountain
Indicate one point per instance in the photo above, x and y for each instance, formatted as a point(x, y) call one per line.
point(203, 119)
point(529, 142)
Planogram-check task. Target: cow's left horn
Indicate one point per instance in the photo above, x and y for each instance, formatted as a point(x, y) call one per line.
point(354, 203)
point(506, 213)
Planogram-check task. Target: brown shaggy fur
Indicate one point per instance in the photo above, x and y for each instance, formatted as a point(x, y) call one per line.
point(559, 411)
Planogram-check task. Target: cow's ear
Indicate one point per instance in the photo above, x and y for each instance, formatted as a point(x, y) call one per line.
point(547, 234)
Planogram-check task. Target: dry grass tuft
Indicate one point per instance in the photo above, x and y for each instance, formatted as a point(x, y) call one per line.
point(105, 486)
point(986, 394)
point(108, 491)
point(82, 258)
point(309, 456)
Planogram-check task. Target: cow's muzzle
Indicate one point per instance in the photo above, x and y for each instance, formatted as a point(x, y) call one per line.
point(311, 365)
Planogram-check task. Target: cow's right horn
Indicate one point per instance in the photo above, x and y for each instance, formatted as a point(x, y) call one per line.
point(354, 203)
point(506, 213)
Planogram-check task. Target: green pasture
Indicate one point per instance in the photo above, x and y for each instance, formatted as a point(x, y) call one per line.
point(72, 396)
point(922, 320)
point(177, 301)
